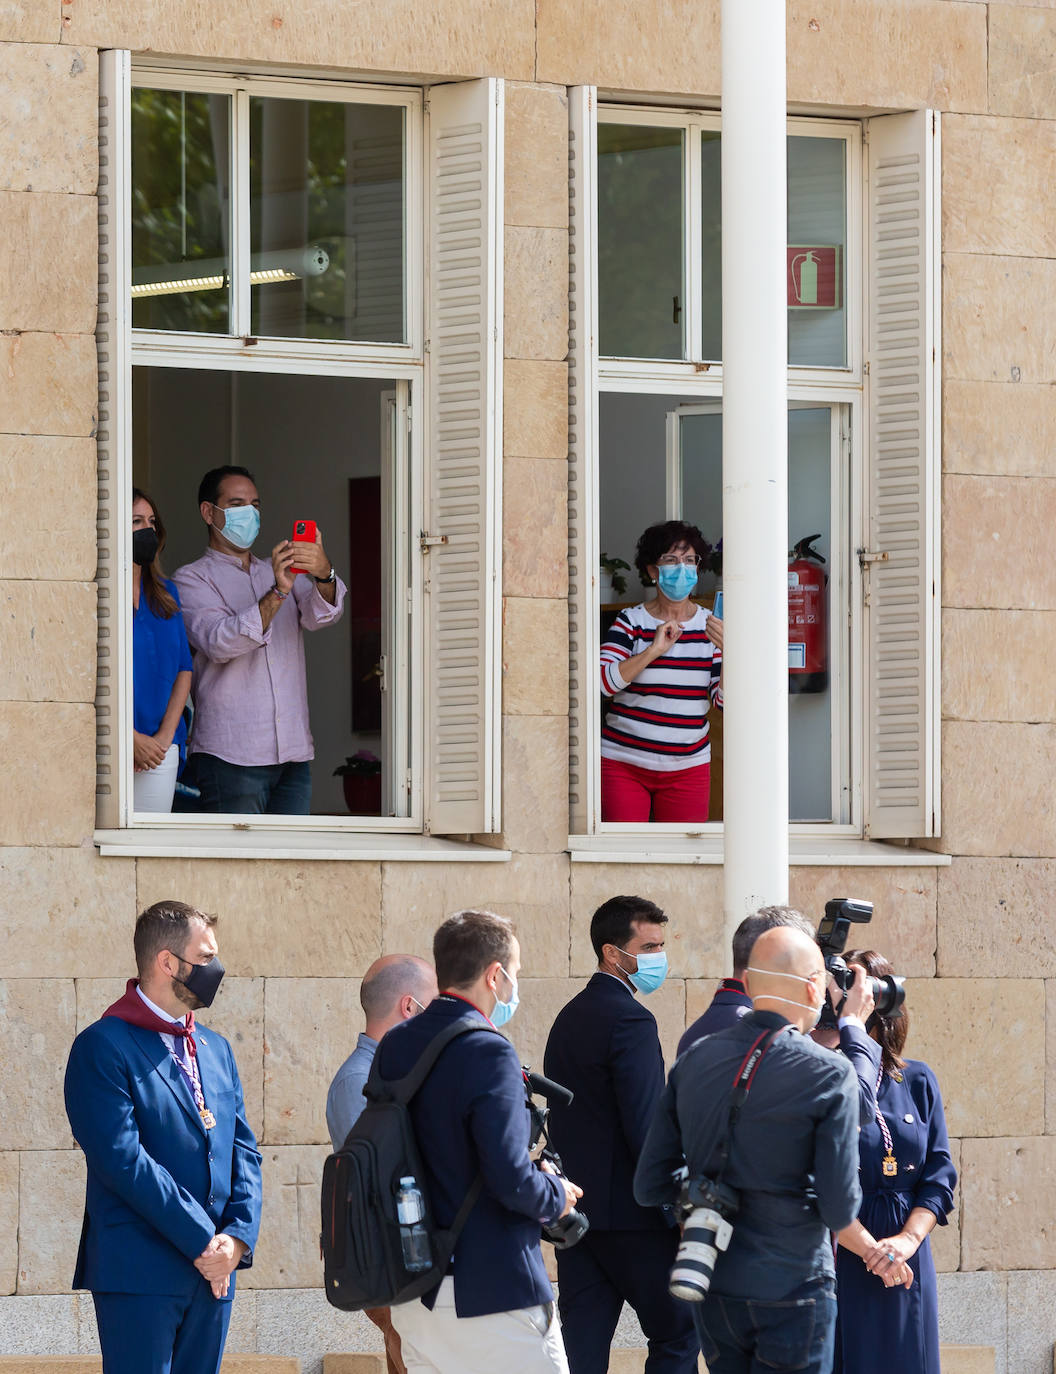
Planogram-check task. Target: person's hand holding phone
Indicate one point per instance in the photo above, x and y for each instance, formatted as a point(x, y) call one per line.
point(283, 557)
point(309, 556)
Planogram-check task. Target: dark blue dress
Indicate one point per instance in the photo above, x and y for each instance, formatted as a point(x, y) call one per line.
point(883, 1329)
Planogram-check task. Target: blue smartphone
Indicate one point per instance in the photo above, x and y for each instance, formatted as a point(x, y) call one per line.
point(716, 610)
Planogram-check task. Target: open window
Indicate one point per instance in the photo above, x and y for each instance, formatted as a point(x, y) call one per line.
point(645, 433)
point(263, 304)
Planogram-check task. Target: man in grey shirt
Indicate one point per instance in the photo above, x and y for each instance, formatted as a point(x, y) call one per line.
point(394, 989)
point(772, 1299)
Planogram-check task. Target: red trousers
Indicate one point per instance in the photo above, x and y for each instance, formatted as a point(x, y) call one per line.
point(632, 793)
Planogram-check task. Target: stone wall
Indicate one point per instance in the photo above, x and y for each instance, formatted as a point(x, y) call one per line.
point(297, 936)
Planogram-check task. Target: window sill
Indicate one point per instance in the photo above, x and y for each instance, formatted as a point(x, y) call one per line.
point(844, 851)
point(215, 843)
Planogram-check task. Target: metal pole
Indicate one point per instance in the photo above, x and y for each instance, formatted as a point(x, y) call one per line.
point(754, 457)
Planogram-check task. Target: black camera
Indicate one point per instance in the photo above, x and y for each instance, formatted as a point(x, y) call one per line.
point(707, 1209)
point(573, 1226)
point(841, 913)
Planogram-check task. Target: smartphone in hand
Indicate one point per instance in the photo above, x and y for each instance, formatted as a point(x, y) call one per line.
point(717, 608)
point(303, 533)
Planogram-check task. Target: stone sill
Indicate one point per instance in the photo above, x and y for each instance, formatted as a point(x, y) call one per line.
point(228, 843)
point(804, 851)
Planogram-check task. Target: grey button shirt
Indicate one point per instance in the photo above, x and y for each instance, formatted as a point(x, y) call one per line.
point(345, 1100)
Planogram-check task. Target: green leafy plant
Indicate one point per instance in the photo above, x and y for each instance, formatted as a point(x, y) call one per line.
point(615, 567)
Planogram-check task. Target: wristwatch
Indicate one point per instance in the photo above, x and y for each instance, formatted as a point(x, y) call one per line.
point(331, 577)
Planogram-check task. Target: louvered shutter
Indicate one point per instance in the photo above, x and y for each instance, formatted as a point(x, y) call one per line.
point(464, 468)
point(583, 709)
point(901, 565)
point(113, 340)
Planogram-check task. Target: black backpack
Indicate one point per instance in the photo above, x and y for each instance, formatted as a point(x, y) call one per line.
point(361, 1244)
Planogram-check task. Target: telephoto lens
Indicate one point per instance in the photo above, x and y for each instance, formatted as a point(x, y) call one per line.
point(705, 1232)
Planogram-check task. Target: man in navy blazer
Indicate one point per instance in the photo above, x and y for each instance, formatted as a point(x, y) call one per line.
point(471, 1119)
point(604, 1047)
point(173, 1191)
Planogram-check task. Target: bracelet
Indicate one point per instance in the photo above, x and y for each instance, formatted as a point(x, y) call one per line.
point(275, 592)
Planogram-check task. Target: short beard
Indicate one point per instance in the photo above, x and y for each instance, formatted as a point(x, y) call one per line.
point(183, 994)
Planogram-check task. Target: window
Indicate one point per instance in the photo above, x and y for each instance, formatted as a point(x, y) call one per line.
point(646, 432)
point(263, 303)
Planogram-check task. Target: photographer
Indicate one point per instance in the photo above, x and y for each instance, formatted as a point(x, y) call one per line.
point(471, 1120)
point(907, 1179)
point(771, 1300)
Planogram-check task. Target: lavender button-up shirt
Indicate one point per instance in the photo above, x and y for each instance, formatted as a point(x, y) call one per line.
point(249, 687)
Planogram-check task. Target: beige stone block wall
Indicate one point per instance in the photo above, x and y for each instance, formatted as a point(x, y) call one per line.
point(534, 657)
point(1002, 212)
point(996, 788)
point(1018, 685)
point(535, 760)
point(310, 1029)
point(1022, 56)
point(48, 384)
point(50, 747)
point(904, 918)
point(536, 155)
point(996, 547)
point(8, 1221)
point(535, 515)
point(1001, 428)
point(29, 466)
point(535, 409)
point(48, 154)
point(287, 1253)
point(993, 918)
point(51, 1206)
point(995, 323)
point(946, 1240)
point(47, 641)
point(1009, 1191)
point(50, 261)
point(37, 1015)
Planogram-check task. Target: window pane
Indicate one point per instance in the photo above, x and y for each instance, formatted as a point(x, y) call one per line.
point(180, 210)
point(817, 238)
point(327, 216)
point(641, 296)
point(711, 257)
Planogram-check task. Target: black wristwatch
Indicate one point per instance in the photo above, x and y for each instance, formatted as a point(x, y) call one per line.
point(331, 577)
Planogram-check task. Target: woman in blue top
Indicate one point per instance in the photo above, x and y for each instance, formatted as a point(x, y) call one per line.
point(888, 1316)
point(161, 664)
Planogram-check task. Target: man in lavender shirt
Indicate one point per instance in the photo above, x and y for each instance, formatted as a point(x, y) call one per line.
point(251, 745)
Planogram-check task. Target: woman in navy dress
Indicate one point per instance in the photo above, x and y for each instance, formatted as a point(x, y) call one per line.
point(888, 1317)
point(161, 665)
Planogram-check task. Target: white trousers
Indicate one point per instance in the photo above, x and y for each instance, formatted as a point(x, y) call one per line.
point(527, 1341)
point(154, 789)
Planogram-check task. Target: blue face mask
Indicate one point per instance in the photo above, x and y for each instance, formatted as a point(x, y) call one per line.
point(241, 525)
point(651, 972)
point(504, 1010)
point(677, 582)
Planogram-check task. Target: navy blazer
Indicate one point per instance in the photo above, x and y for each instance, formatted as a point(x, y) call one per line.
point(604, 1048)
point(160, 1186)
point(471, 1115)
point(726, 1008)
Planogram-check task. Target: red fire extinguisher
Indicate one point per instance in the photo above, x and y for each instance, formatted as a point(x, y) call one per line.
point(808, 620)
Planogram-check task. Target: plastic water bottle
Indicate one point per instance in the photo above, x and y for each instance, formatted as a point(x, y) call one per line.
point(414, 1238)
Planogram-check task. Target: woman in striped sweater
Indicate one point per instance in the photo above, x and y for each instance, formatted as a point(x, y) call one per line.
point(661, 665)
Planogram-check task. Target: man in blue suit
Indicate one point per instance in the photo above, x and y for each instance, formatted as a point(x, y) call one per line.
point(494, 1309)
point(173, 1195)
point(604, 1047)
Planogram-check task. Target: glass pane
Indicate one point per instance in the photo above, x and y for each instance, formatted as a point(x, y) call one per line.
point(641, 295)
point(180, 211)
point(817, 241)
point(711, 257)
point(327, 220)
point(341, 431)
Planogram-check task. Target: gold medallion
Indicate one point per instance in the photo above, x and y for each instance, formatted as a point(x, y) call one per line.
point(209, 1120)
point(889, 1166)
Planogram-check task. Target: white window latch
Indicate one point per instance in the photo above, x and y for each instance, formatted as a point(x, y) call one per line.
point(430, 541)
point(868, 556)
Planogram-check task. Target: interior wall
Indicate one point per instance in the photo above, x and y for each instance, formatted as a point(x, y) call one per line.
point(303, 438)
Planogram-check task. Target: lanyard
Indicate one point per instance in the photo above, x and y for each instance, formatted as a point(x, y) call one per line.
point(193, 1078)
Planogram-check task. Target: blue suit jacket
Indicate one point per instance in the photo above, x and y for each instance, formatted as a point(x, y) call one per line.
point(160, 1186)
point(471, 1115)
point(604, 1047)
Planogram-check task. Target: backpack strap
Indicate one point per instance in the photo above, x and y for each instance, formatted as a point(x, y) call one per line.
point(379, 1089)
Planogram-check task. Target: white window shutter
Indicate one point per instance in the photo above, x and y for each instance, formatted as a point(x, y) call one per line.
point(901, 564)
point(113, 341)
point(584, 726)
point(464, 469)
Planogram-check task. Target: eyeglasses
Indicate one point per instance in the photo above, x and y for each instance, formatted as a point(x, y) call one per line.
point(672, 560)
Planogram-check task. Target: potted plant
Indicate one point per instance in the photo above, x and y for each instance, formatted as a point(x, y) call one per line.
point(611, 583)
point(361, 777)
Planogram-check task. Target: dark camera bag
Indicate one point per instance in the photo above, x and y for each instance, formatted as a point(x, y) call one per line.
point(360, 1241)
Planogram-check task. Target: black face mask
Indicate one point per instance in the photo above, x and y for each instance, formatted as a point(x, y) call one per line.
point(144, 546)
point(203, 980)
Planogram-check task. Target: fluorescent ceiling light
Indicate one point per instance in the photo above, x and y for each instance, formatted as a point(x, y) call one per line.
point(181, 284)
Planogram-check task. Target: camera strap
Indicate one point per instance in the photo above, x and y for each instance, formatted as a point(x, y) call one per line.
point(742, 1082)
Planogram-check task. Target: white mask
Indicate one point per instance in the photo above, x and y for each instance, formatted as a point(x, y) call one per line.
point(773, 973)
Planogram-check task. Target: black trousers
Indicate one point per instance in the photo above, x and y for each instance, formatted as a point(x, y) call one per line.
point(605, 1270)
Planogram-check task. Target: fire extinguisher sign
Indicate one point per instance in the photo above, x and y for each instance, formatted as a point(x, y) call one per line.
point(814, 274)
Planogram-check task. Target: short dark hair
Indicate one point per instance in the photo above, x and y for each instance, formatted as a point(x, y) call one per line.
point(890, 1031)
point(614, 921)
point(165, 925)
point(209, 486)
point(467, 943)
point(657, 539)
point(766, 918)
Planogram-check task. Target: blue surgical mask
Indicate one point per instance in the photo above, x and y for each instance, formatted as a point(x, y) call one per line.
point(241, 525)
point(651, 971)
point(504, 1010)
point(677, 582)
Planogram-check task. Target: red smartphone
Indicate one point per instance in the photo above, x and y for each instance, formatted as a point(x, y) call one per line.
point(303, 533)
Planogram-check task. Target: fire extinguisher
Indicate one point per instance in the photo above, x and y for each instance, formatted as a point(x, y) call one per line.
point(808, 620)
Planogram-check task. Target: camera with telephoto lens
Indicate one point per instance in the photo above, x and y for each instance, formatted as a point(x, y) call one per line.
point(707, 1209)
point(889, 992)
point(573, 1226)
